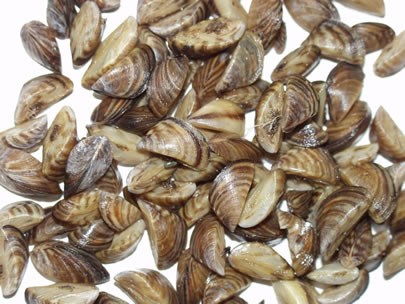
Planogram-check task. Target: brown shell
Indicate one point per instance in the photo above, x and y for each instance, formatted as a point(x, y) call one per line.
point(345, 83)
point(397, 221)
point(356, 155)
point(393, 262)
point(207, 37)
point(145, 286)
point(49, 228)
point(229, 192)
point(137, 120)
point(106, 298)
point(40, 43)
point(391, 59)
point(207, 243)
point(40, 93)
point(60, 262)
point(375, 7)
point(334, 274)
point(397, 172)
point(375, 35)
point(166, 85)
point(166, 248)
point(149, 11)
point(337, 216)
point(23, 215)
point(111, 181)
point(156, 43)
point(110, 110)
point(310, 135)
point(59, 16)
point(188, 104)
point(338, 42)
point(179, 140)
point(227, 8)
point(197, 206)
point(104, 5)
point(299, 201)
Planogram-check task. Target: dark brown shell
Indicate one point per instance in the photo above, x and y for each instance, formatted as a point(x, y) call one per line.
point(106, 298)
point(375, 35)
point(110, 110)
point(59, 16)
point(310, 135)
point(137, 120)
point(157, 44)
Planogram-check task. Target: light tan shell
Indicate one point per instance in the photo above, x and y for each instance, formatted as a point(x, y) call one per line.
point(149, 11)
point(197, 205)
point(111, 181)
point(333, 274)
point(375, 35)
point(228, 8)
point(60, 16)
point(375, 7)
point(23, 215)
point(290, 291)
point(356, 155)
point(110, 109)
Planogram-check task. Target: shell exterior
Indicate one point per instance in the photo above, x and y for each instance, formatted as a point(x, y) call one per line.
point(187, 105)
point(59, 16)
point(149, 11)
point(145, 286)
point(60, 262)
point(110, 109)
point(137, 120)
point(111, 181)
point(375, 35)
point(156, 43)
point(23, 215)
point(207, 37)
point(106, 298)
point(333, 274)
point(166, 248)
point(40, 43)
point(290, 291)
point(197, 206)
point(356, 155)
point(391, 59)
point(179, 140)
point(397, 221)
point(104, 5)
point(375, 7)
point(39, 93)
point(228, 8)
point(310, 135)
point(397, 172)
point(393, 261)
point(88, 161)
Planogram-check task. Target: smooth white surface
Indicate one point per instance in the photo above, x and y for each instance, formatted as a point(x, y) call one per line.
point(16, 68)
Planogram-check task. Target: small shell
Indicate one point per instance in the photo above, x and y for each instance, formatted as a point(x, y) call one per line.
point(166, 85)
point(104, 5)
point(136, 68)
point(123, 244)
point(207, 243)
point(229, 192)
point(375, 7)
point(191, 279)
point(356, 155)
point(397, 221)
point(334, 274)
point(245, 66)
point(111, 50)
point(338, 214)
point(137, 120)
point(87, 162)
point(61, 262)
point(40, 43)
point(378, 182)
point(207, 37)
point(156, 43)
point(388, 135)
point(220, 288)
point(191, 14)
point(150, 11)
point(309, 13)
point(66, 292)
point(85, 36)
point(49, 228)
point(197, 206)
point(338, 42)
point(146, 286)
point(375, 35)
point(321, 87)
point(220, 115)
point(290, 292)
point(111, 181)
point(381, 241)
point(263, 23)
point(301, 61)
point(393, 261)
point(302, 241)
point(316, 164)
point(260, 261)
point(39, 93)
point(391, 59)
point(23, 215)
point(14, 259)
point(279, 42)
point(179, 140)
point(166, 247)
point(310, 135)
point(227, 8)
point(59, 16)
point(106, 298)
point(237, 300)
point(188, 104)
point(397, 172)
point(345, 83)
point(299, 201)
point(110, 109)
point(59, 141)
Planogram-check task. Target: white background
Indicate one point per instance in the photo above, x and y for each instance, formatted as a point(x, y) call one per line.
point(16, 68)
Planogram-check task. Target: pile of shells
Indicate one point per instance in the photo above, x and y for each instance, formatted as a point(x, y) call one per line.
point(175, 85)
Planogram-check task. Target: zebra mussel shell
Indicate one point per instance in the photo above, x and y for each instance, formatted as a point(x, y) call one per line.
point(375, 35)
point(59, 16)
point(149, 11)
point(23, 215)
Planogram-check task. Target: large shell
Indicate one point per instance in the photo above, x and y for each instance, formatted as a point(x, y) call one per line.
point(123, 244)
point(316, 164)
point(39, 93)
point(220, 115)
point(191, 14)
point(338, 42)
point(59, 141)
point(60, 262)
point(136, 68)
point(149, 11)
point(21, 173)
point(301, 102)
point(309, 13)
point(229, 192)
point(302, 241)
point(66, 292)
point(146, 286)
point(393, 261)
point(220, 288)
point(106, 298)
point(191, 279)
point(375, 35)
point(85, 35)
point(179, 140)
point(207, 37)
point(87, 162)
point(59, 16)
point(356, 155)
point(14, 259)
point(197, 206)
point(301, 61)
point(375, 7)
point(390, 138)
point(166, 247)
point(338, 214)
point(40, 43)
point(334, 274)
point(265, 19)
point(245, 66)
point(111, 50)
point(110, 109)
point(260, 261)
point(207, 243)
point(23, 215)
point(378, 182)
point(345, 83)
point(166, 84)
